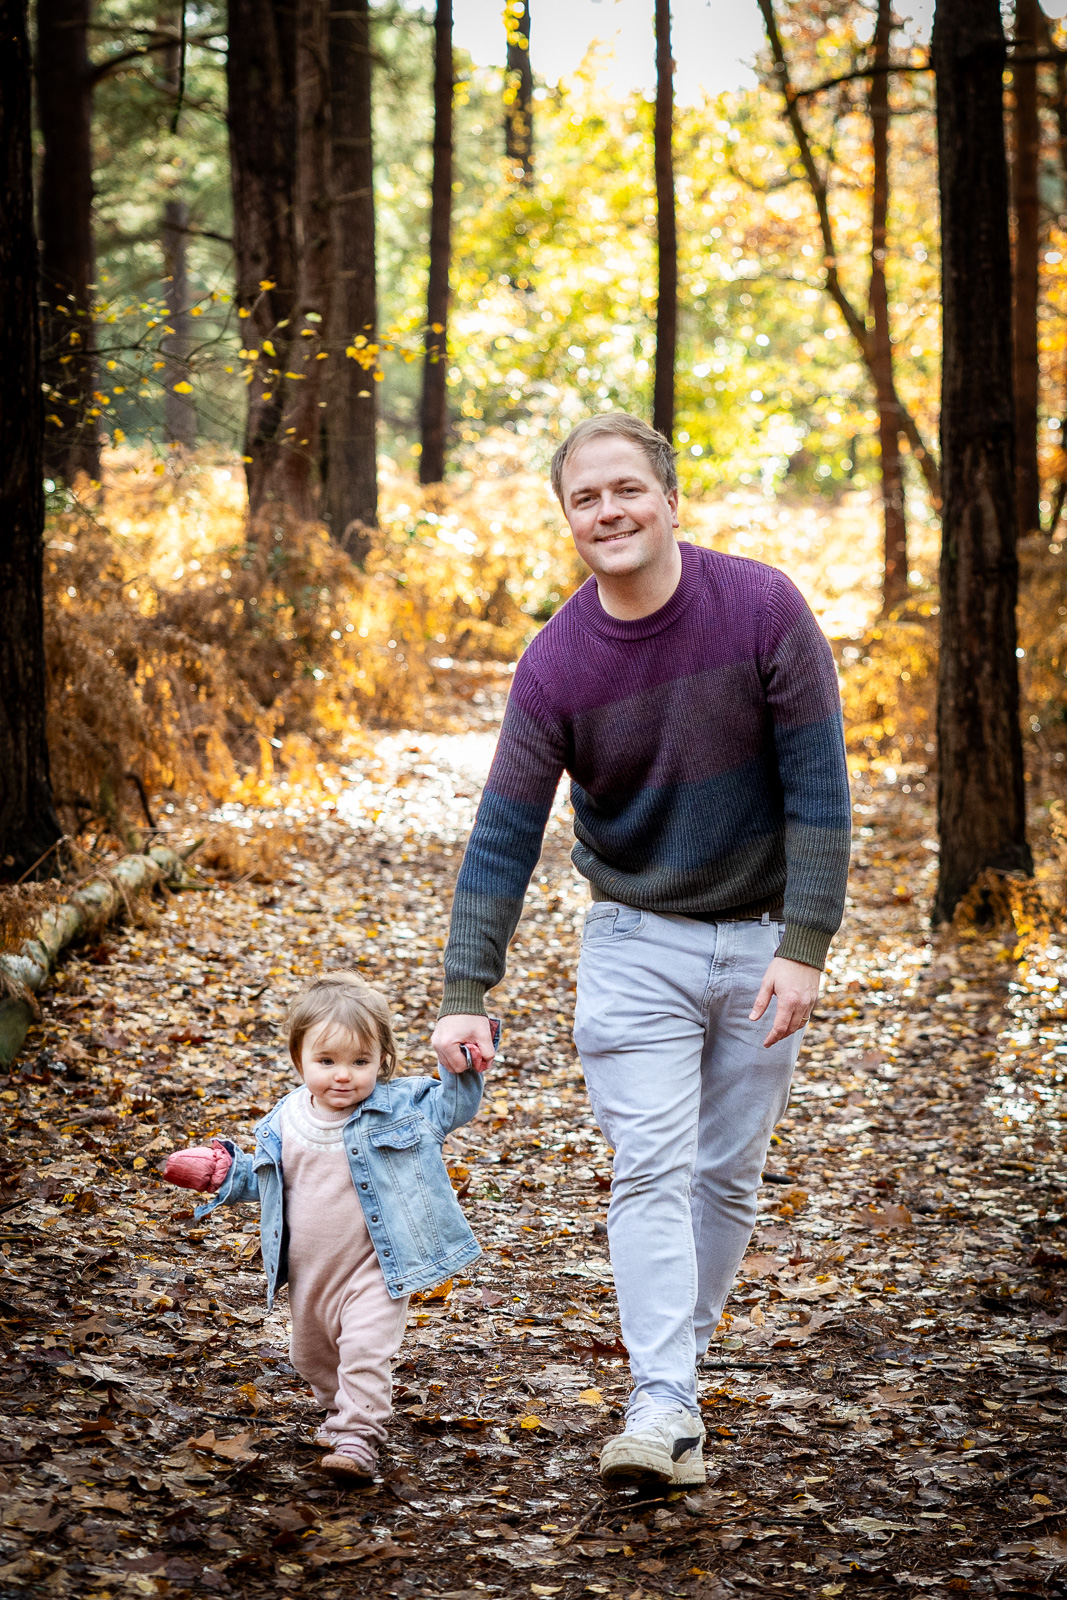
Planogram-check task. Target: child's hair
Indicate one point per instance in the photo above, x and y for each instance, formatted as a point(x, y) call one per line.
point(352, 1006)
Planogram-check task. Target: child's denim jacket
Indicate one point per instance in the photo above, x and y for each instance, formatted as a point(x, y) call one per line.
point(393, 1140)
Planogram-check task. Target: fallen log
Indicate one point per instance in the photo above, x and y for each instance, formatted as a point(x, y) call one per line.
point(25, 971)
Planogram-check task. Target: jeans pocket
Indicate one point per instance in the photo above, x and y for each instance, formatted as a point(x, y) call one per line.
point(607, 922)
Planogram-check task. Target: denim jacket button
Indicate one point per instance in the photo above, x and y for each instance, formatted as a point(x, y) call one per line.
point(400, 1285)
point(363, 1185)
point(374, 1218)
point(387, 1253)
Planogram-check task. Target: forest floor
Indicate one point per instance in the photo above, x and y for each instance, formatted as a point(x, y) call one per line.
point(885, 1402)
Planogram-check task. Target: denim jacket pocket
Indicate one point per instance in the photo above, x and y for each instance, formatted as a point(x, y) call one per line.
point(399, 1135)
point(606, 921)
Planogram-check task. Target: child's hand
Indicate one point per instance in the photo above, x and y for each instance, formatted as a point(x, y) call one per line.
point(203, 1168)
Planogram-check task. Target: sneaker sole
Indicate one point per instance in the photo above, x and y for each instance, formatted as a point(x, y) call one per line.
point(626, 1460)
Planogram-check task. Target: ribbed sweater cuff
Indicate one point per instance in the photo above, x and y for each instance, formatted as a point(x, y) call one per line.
point(808, 945)
point(464, 997)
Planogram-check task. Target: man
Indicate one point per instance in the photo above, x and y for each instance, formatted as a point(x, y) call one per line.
point(694, 702)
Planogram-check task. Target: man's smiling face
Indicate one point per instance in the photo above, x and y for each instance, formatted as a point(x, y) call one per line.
point(620, 516)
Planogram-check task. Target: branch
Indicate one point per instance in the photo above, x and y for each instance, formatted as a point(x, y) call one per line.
point(880, 71)
point(833, 286)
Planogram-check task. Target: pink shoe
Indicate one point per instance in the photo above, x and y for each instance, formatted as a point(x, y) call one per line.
point(353, 1462)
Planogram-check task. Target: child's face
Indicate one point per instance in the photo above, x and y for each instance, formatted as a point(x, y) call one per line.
point(339, 1070)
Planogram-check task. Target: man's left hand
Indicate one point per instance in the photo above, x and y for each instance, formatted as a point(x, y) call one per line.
point(795, 987)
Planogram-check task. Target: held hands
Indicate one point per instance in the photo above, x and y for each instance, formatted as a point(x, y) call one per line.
point(203, 1168)
point(452, 1033)
point(795, 987)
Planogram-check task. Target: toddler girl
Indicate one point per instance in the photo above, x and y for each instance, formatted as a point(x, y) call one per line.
point(356, 1207)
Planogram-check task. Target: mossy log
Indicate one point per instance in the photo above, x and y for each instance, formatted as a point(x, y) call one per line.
point(24, 972)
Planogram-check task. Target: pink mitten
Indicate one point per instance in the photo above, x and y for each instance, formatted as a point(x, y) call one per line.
point(202, 1168)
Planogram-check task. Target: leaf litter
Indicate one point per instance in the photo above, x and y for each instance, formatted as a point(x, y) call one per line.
point(884, 1397)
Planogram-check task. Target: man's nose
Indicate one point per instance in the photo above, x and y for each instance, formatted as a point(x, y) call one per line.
point(609, 510)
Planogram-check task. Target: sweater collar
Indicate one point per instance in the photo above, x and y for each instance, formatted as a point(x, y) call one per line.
point(592, 614)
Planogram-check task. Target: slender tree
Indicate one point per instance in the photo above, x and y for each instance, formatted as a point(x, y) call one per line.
point(28, 823)
point(895, 567)
point(64, 80)
point(870, 329)
point(435, 364)
point(518, 92)
point(1027, 150)
point(260, 84)
point(981, 800)
point(179, 413)
point(666, 229)
point(351, 445)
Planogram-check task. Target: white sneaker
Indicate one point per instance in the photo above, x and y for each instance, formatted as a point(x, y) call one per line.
point(668, 1446)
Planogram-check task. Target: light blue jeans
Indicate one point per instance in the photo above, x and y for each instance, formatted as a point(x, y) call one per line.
point(687, 1097)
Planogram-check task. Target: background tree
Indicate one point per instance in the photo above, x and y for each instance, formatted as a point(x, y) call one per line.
point(350, 452)
point(518, 89)
point(895, 572)
point(65, 79)
point(292, 479)
point(179, 412)
point(260, 84)
point(1026, 141)
point(871, 332)
point(981, 799)
point(434, 416)
point(666, 229)
point(28, 823)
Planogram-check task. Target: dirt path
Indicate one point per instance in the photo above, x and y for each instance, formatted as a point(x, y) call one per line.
point(885, 1407)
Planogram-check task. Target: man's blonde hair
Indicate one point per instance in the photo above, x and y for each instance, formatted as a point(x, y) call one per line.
point(348, 1004)
point(620, 425)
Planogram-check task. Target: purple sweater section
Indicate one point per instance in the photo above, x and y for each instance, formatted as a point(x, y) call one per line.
point(707, 760)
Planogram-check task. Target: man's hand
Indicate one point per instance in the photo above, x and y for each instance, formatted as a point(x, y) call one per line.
point(792, 984)
point(453, 1032)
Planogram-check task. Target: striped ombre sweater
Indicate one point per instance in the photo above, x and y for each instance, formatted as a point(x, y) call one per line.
point(705, 748)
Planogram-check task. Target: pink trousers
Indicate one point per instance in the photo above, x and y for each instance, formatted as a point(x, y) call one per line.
point(344, 1337)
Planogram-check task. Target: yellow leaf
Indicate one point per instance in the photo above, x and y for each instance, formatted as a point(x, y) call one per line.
point(266, 283)
point(269, 348)
point(159, 467)
point(545, 1588)
point(183, 387)
point(241, 312)
point(530, 1423)
point(139, 1161)
point(592, 1397)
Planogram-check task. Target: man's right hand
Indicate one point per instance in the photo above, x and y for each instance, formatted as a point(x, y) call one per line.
point(453, 1032)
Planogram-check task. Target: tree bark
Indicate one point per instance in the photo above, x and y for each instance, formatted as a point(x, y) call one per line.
point(518, 94)
point(435, 363)
point(262, 125)
point(293, 477)
point(981, 799)
point(28, 822)
point(65, 201)
point(179, 413)
point(351, 471)
point(1027, 142)
point(832, 284)
point(666, 229)
point(895, 561)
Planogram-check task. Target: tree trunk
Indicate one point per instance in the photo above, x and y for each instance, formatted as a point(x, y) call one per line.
point(65, 201)
point(817, 184)
point(293, 478)
point(351, 445)
point(262, 124)
point(981, 799)
point(518, 94)
point(28, 823)
point(895, 564)
point(1027, 141)
point(666, 229)
point(435, 364)
point(179, 414)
